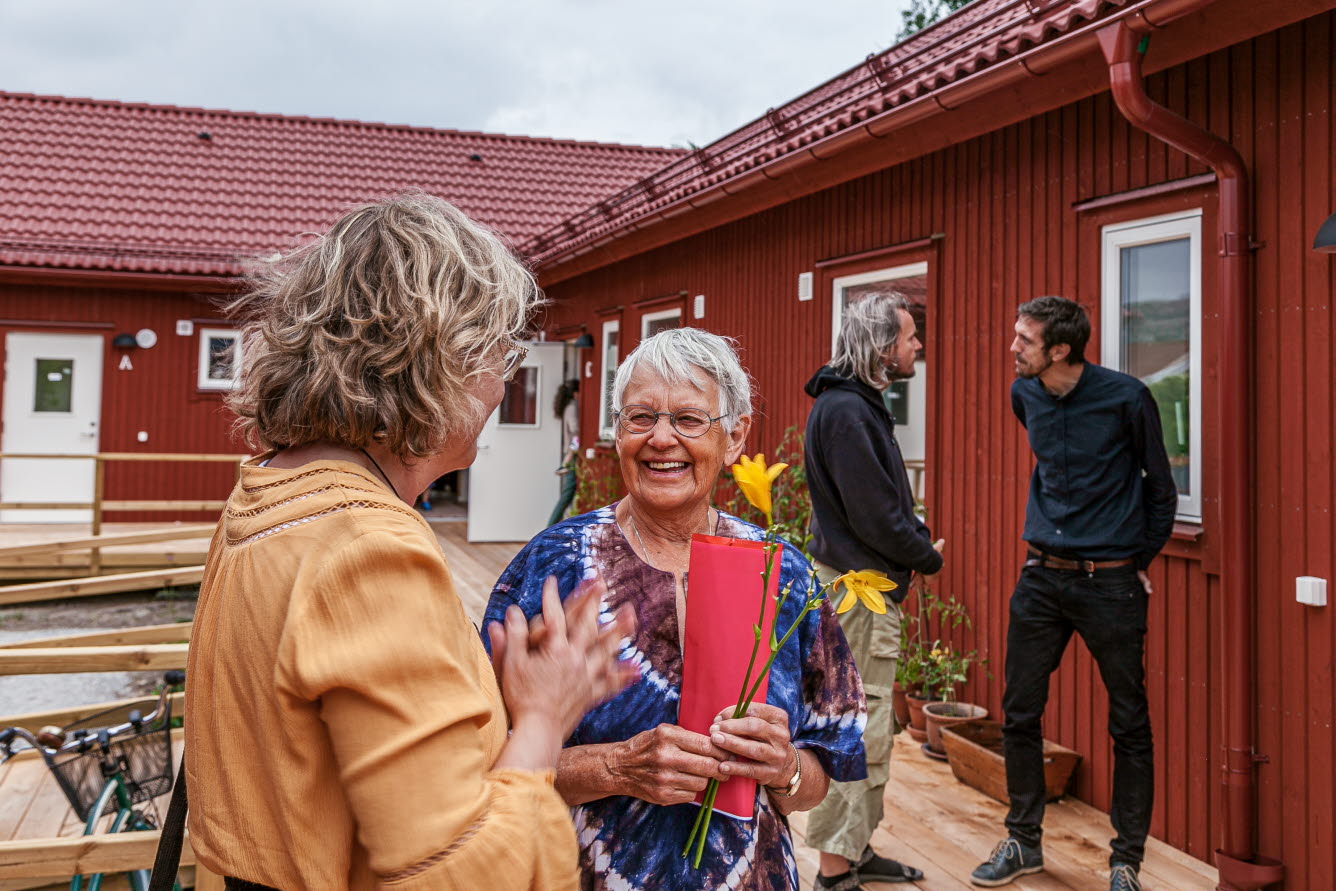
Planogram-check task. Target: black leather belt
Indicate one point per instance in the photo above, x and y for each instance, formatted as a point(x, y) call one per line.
point(1048, 561)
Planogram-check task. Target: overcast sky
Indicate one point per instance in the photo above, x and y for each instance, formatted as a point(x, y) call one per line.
point(664, 73)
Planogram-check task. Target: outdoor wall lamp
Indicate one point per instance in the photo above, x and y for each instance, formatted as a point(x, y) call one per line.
point(124, 342)
point(586, 340)
point(1326, 236)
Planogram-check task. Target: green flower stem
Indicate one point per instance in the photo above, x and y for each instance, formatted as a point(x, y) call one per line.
point(774, 653)
point(760, 621)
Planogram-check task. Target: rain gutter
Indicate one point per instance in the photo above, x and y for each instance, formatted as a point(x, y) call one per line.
point(1123, 44)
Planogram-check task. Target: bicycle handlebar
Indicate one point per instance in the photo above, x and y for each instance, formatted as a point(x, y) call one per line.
point(41, 741)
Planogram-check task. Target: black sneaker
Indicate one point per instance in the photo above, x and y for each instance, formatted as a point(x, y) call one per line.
point(846, 882)
point(873, 868)
point(1123, 877)
point(1009, 861)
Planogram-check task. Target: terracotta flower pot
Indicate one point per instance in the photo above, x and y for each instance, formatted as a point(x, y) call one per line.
point(900, 705)
point(918, 724)
point(938, 714)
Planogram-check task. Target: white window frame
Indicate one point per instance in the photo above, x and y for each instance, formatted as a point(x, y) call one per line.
point(838, 285)
point(1150, 230)
point(538, 399)
point(605, 421)
point(203, 381)
point(662, 314)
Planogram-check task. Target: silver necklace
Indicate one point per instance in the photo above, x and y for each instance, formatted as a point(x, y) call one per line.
point(630, 518)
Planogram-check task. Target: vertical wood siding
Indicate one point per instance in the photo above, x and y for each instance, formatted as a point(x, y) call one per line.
point(1004, 205)
point(159, 396)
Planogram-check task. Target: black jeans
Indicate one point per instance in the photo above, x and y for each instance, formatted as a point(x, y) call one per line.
point(1108, 609)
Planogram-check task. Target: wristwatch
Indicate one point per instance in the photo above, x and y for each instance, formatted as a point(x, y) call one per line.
point(792, 788)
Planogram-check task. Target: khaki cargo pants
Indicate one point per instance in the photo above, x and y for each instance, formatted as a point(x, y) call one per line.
point(842, 824)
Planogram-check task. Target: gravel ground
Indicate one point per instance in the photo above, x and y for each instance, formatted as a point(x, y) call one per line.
point(29, 693)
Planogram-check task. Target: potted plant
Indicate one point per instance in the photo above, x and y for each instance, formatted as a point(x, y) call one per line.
point(919, 673)
point(944, 669)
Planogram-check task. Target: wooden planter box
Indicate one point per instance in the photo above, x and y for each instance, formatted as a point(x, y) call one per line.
point(974, 750)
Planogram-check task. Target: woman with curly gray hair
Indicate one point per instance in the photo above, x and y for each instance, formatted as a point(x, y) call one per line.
point(344, 726)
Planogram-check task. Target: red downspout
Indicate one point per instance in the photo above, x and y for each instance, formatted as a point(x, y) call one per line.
point(1241, 869)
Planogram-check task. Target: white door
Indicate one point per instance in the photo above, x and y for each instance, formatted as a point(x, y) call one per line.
point(513, 484)
point(53, 402)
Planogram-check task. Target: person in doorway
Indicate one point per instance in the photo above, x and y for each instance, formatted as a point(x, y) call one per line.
point(344, 726)
point(863, 518)
point(1102, 503)
point(566, 408)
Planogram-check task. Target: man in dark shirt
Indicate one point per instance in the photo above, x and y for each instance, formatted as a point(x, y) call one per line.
point(1102, 503)
point(863, 518)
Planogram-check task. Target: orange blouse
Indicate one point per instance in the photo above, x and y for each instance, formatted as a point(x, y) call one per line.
point(342, 716)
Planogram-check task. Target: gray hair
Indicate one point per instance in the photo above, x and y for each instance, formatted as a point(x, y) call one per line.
point(677, 355)
point(869, 328)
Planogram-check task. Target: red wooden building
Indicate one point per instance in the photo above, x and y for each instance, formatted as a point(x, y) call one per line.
point(1009, 152)
point(1006, 152)
point(122, 226)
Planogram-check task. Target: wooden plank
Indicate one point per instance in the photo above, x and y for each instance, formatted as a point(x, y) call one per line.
point(25, 780)
point(84, 542)
point(38, 858)
point(107, 584)
point(172, 632)
point(61, 660)
point(164, 504)
point(33, 721)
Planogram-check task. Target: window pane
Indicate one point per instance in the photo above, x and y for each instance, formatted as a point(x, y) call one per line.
point(519, 405)
point(1156, 305)
point(896, 397)
point(222, 357)
point(654, 326)
point(54, 385)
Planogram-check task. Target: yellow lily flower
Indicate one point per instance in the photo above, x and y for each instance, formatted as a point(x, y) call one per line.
point(754, 479)
point(866, 586)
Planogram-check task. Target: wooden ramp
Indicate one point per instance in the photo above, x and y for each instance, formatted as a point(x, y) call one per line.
point(946, 828)
point(66, 550)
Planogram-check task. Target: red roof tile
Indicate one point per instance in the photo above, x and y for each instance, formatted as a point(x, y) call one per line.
point(100, 185)
point(980, 35)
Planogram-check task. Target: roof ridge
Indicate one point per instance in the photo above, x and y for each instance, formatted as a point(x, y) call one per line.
point(347, 122)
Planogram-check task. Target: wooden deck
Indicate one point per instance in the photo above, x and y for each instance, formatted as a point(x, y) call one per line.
point(115, 557)
point(946, 828)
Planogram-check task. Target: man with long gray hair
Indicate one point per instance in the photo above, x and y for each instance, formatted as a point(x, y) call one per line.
point(863, 518)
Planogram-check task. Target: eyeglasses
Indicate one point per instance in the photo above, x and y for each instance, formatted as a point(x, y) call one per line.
point(690, 422)
point(511, 362)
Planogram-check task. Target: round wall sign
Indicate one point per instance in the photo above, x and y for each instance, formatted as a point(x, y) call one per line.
point(146, 338)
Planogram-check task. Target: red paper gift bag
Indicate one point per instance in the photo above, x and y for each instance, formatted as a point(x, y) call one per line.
point(723, 604)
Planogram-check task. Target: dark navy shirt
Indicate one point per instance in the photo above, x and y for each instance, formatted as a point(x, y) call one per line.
point(1102, 488)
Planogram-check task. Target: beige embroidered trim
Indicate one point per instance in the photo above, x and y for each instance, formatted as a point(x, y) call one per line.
point(301, 476)
point(337, 508)
point(423, 865)
point(255, 512)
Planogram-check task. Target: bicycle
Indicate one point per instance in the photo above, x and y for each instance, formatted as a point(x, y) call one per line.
point(105, 766)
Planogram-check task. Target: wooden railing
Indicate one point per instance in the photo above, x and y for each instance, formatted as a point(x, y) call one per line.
point(100, 505)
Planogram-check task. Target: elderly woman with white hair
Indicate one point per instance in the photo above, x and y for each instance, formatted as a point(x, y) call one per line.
point(683, 409)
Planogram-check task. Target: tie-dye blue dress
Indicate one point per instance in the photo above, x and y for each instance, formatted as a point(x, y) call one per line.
point(626, 843)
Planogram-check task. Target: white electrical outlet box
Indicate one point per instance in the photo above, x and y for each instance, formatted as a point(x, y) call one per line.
point(805, 286)
point(142, 436)
point(698, 307)
point(1310, 590)
point(185, 327)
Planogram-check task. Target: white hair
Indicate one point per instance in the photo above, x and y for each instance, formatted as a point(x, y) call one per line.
point(869, 328)
point(678, 355)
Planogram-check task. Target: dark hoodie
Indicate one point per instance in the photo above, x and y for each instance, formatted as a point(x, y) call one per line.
point(862, 505)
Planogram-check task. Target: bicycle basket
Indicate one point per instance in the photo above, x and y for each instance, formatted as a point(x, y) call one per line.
point(143, 759)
